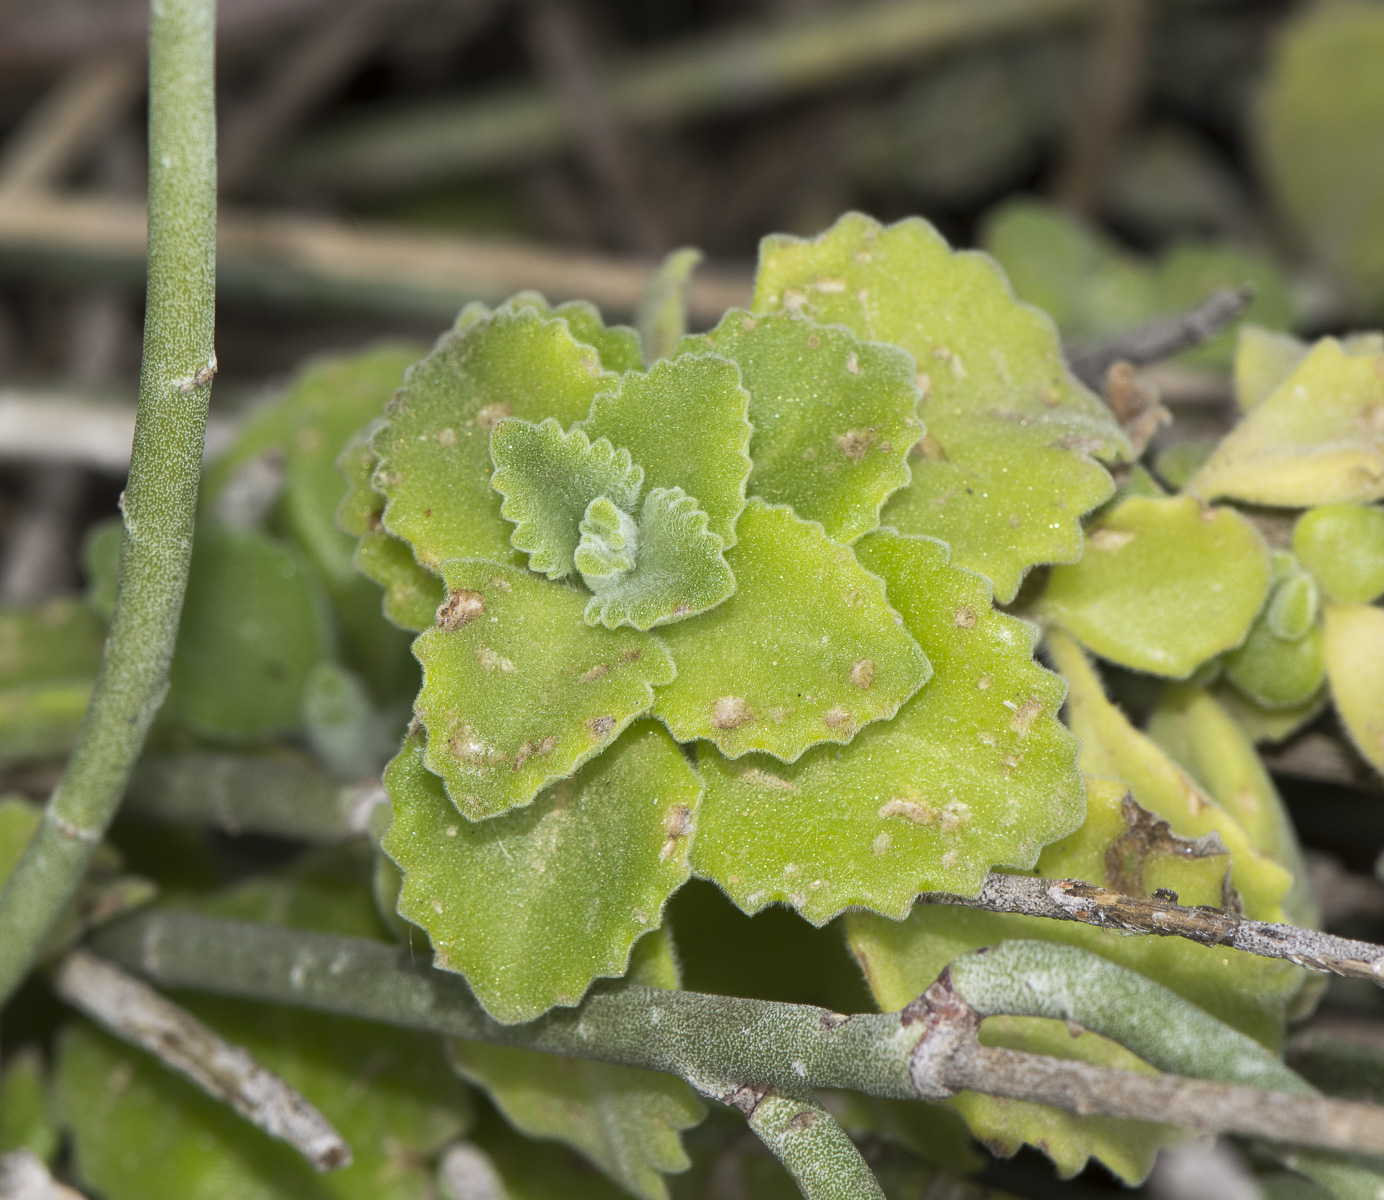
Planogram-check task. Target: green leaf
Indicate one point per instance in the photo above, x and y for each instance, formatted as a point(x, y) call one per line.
point(833, 417)
point(101, 564)
point(1275, 672)
point(1318, 439)
point(548, 479)
point(686, 424)
point(1355, 666)
point(518, 691)
point(1164, 585)
point(671, 569)
point(1267, 724)
point(26, 1108)
point(359, 510)
point(533, 906)
point(1113, 749)
point(532, 1170)
point(624, 1120)
point(40, 720)
point(412, 594)
point(617, 346)
point(56, 639)
point(807, 650)
point(1007, 468)
point(974, 772)
point(1342, 545)
point(253, 625)
point(343, 726)
point(662, 317)
point(434, 449)
point(1263, 360)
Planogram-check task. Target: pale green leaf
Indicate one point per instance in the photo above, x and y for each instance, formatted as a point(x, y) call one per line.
point(1263, 360)
point(1263, 724)
point(1275, 672)
point(534, 905)
point(686, 424)
point(974, 772)
point(1008, 466)
point(346, 731)
point(677, 570)
point(1164, 585)
point(833, 417)
point(1342, 545)
point(518, 691)
point(1318, 439)
point(41, 720)
point(807, 650)
point(434, 449)
point(548, 478)
point(617, 346)
point(412, 593)
point(254, 623)
point(624, 1120)
point(662, 316)
point(1294, 606)
point(1355, 666)
point(27, 1120)
point(359, 510)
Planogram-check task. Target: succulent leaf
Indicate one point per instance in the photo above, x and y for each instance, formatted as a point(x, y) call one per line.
point(807, 650)
point(974, 772)
point(1342, 545)
point(518, 691)
point(1263, 724)
point(1125, 603)
point(548, 479)
point(1263, 360)
point(534, 905)
point(412, 593)
point(1355, 666)
point(1009, 468)
point(434, 448)
point(833, 417)
point(1318, 439)
point(1277, 672)
point(617, 346)
point(685, 423)
point(670, 568)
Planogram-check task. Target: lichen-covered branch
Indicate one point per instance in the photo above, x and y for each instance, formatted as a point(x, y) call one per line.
point(1090, 904)
point(136, 1013)
point(720, 1044)
point(161, 497)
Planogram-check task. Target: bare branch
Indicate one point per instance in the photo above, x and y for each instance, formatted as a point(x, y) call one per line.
point(136, 1013)
point(24, 1177)
point(1162, 337)
point(1076, 900)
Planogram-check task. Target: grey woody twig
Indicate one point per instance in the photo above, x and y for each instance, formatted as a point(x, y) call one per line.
point(722, 1044)
point(137, 1014)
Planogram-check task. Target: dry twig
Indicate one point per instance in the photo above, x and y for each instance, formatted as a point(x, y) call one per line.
point(136, 1013)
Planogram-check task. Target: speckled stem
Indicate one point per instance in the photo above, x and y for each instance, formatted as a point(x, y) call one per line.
point(813, 1148)
point(160, 498)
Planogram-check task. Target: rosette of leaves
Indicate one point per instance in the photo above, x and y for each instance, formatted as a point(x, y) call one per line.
point(700, 543)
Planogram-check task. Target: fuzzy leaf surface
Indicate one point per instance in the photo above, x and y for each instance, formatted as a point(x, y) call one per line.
point(617, 346)
point(974, 772)
point(518, 691)
point(1263, 360)
point(548, 478)
point(686, 424)
point(434, 449)
point(1267, 724)
point(1164, 585)
point(833, 417)
point(624, 1120)
point(807, 650)
point(412, 594)
point(677, 571)
point(1342, 545)
point(1276, 672)
point(27, 1119)
point(1010, 466)
point(1318, 439)
point(533, 906)
point(1355, 666)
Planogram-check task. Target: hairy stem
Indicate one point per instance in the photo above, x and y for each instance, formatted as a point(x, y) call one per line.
point(161, 495)
point(812, 1147)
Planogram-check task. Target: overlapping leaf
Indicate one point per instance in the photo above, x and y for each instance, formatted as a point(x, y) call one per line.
point(974, 772)
point(617, 346)
point(534, 905)
point(834, 417)
point(1355, 665)
point(1342, 545)
point(27, 1119)
point(1164, 584)
point(1008, 466)
point(807, 650)
point(1317, 439)
point(518, 691)
point(1276, 672)
point(1267, 724)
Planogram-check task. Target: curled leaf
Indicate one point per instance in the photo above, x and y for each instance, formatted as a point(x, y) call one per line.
point(662, 316)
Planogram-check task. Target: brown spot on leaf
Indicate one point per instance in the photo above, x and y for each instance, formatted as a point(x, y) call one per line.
point(601, 727)
point(837, 718)
point(863, 674)
point(598, 671)
point(630, 655)
point(468, 746)
point(491, 660)
point(1111, 539)
point(446, 437)
point(965, 617)
point(855, 443)
point(491, 413)
point(677, 825)
point(909, 810)
point(731, 712)
point(459, 609)
point(1146, 834)
point(1026, 714)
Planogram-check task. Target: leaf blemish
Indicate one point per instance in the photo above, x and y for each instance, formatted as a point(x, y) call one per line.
point(459, 609)
point(910, 810)
point(855, 443)
point(837, 718)
point(965, 617)
point(597, 672)
point(601, 727)
point(1026, 714)
point(863, 674)
point(881, 843)
point(731, 712)
point(493, 661)
point(491, 413)
point(1111, 539)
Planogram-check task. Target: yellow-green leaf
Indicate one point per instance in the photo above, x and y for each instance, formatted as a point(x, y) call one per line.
point(1342, 545)
point(1355, 666)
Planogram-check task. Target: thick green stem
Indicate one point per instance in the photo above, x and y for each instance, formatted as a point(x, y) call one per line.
point(814, 1149)
point(161, 495)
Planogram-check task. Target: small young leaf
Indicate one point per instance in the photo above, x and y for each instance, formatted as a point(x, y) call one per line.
point(616, 345)
point(1318, 439)
point(624, 1120)
point(1275, 672)
point(1342, 545)
point(833, 417)
point(974, 772)
point(1355, 665)
point(662, 317)
point(807, 650)
point(518, 691)
point(434, 449)
point(548, 478)
point(412, 594)
point(1007, 467)
point(677, 570)
point(1164, 585)
point(534, 905)
point(685, 423)
point(1294, 606)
